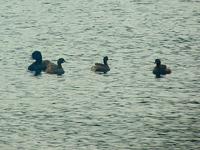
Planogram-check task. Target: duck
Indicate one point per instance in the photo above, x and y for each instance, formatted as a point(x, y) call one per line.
point(160, 69)
point(52, 68)
point(38, 66)
point(98, 67)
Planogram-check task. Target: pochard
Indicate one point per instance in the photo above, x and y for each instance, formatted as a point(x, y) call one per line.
point(98, 67)
point(52, 68)
point(160, 69)
point(37, 67)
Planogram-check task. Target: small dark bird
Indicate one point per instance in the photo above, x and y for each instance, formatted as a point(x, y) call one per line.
point(52, 68)
point(160, 69)
point(98, 67)
point(37, 67)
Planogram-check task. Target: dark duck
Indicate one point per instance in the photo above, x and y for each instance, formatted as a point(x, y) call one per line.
point(38, 66)
point(52, 68)
point(104, 68)
point(160, 70)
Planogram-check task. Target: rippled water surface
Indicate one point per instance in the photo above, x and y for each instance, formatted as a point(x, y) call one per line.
point(127, 108)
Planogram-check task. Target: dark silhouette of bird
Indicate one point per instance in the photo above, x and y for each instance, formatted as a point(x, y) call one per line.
point(37, 67)
point(98, 67)
point(160, 69)
point(52, 68)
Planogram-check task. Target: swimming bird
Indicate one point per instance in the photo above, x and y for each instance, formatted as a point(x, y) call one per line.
point(98, 67)
point(37, 67)
point(52, 68)
point(160, 69)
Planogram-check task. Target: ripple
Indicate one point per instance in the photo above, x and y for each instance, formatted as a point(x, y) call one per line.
point(126, 108)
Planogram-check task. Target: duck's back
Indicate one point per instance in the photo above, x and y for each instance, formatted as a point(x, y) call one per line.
point(100, 68)
point(52, 68)
point(99, 64)
point(46, 62)
point(168, 71)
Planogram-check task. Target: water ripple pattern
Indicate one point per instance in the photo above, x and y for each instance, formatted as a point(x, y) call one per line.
point(125, 109)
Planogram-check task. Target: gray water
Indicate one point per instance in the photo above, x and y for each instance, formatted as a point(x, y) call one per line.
point(127, 108)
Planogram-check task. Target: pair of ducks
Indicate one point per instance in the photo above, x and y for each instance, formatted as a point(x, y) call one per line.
point(159, 70)
point(45, 65)
point(39, 65)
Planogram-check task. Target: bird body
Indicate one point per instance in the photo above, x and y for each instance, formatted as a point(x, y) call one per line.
point(52, 68)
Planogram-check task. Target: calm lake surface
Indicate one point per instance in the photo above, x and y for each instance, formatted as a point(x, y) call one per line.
point(125, 109)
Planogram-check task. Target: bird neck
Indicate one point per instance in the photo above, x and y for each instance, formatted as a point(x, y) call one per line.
point(59, 65)
point(105, 62)
point(158, 65)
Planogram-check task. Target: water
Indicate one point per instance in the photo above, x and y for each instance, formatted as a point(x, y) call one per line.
point(125, 109)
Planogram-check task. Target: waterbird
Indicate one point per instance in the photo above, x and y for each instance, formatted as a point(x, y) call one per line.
point(52, 68)
point(98, 67)
point(37, 67)
point(160, 69)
